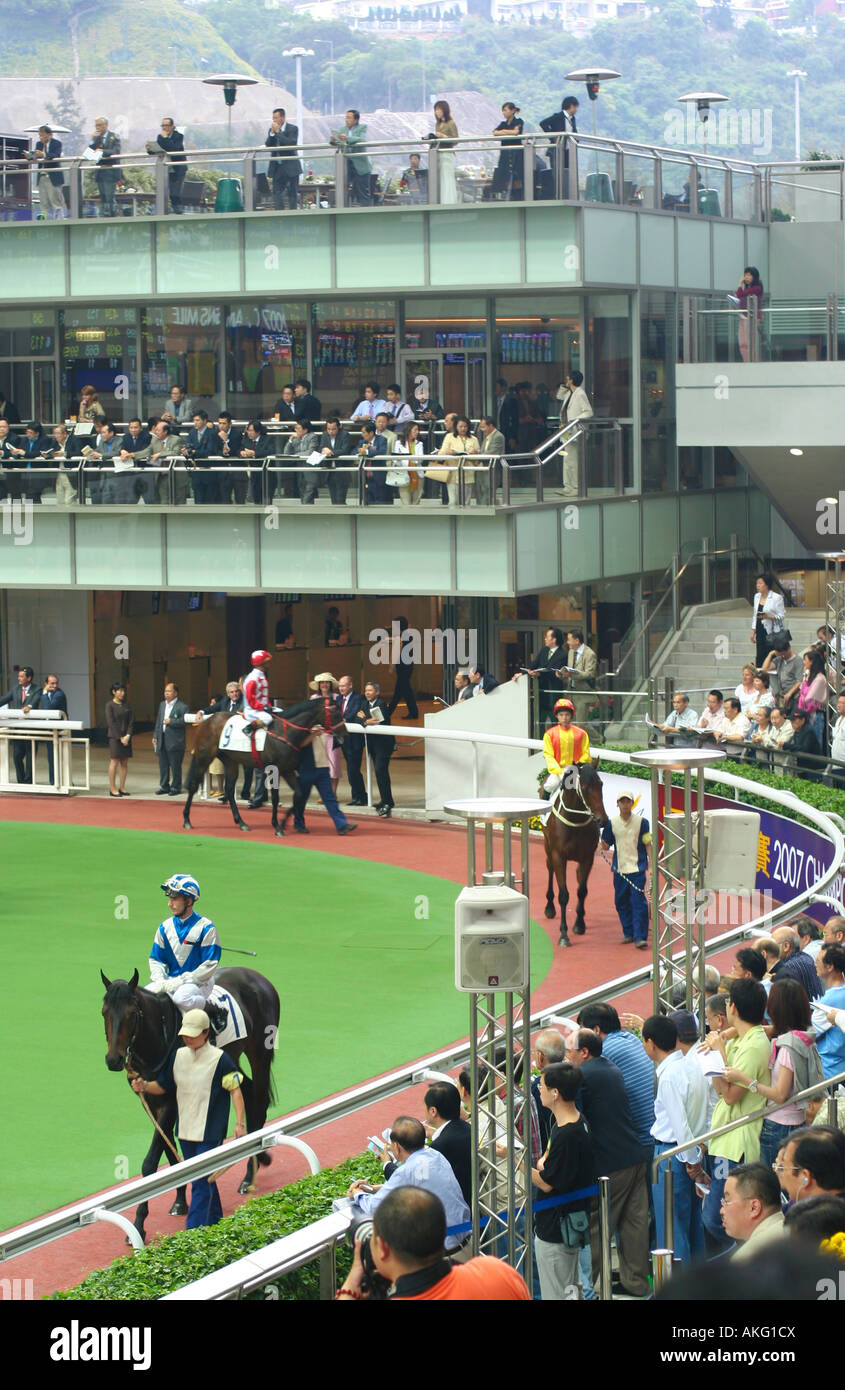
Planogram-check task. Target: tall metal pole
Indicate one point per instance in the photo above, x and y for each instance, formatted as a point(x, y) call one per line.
point(797, 74)
point(299, 116)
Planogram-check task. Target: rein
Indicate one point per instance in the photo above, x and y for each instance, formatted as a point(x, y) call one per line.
point(573, 810)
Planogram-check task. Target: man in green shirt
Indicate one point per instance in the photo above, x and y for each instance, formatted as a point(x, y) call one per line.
point(748, 1053)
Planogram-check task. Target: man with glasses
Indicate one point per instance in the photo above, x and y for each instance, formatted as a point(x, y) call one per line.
point(812, 1163)
point(173, 142)
point(751, 1209)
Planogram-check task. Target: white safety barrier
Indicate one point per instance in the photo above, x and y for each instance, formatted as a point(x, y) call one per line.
point(34, 729)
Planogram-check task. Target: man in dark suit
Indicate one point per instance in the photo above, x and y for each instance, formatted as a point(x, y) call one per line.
point(351, 707)
point(22, 696)
point(463, 687)
point(202, 445)
point(305, 406)
point(336, 443)
point(404, 674)
point(46, 154)
point(450, 1135)
point(51, 698)
point(230, 441)
point(379, 748)
point(173, 141)
point(374, 446)
point(284, 172)
point(562, 122)
point(169, 741)
point(285, 406)
point(481, 683)
point(551, 658)
point(34, 446)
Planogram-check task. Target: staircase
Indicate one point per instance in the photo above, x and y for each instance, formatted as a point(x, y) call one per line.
point(713, 644)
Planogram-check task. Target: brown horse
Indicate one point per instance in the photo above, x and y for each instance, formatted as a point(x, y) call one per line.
point(286, 737)
point(142, 1033)
point(572, 832)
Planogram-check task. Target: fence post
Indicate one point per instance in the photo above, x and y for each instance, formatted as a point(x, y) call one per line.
point(528, 171)
point(249, 182)
point(339, 179)
point(75, 191)
point(161, 186)
point(328, 1274)
point(605, 1282)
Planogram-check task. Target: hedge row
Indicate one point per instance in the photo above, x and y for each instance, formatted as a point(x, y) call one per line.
point(176, 1260)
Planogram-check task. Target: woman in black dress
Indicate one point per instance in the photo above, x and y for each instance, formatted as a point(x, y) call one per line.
point(507, 178)
point(120, 722)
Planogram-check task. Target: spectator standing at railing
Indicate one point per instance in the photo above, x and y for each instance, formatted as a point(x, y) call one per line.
point(284, 171)
point(812, 697)
point(455, 445)
point(371, 406)
point(493, 445)
point(680, 1113)
point(561, 1232)
point(444, 137)
point(22, 696)
point(285, 407)
point(305, 406)
point(336, 447)
point(256, 446)
point(107, 173)
point(180, 408)
point(563, 123)
point(400, 412)
point(303, 442)
point(89, 408)
point(63, 451)
point(749, 295)
point(50, 179)
point(233, 486)
point(166, 447)
point(792, 963)
point(374, 447)
point(804, 741)
point(507, 176)
point(574, 406)
point(201, 446)
point(406, 479)
point(837, 742)
point(353, 140)
point(173, 142)
point(830, 968)
point(383, 429)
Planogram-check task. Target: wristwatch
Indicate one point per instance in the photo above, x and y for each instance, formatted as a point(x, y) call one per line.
point(752, 1085)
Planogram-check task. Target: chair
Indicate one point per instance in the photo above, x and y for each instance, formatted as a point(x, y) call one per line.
point(193, 193)
point(708, 202)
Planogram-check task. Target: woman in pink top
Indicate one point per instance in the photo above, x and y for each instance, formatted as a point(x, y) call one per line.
point(813, 696)
point(789, 1010)
point(326, 688)
point(749, 289)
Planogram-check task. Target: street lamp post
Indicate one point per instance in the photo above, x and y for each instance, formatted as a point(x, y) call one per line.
point(230, 82)
point(330, 43)
point(797, 74)
point(299, 54)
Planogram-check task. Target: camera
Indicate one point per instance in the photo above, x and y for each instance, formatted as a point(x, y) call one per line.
point(373, 1285)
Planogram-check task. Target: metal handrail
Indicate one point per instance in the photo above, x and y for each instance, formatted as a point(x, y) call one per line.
point(48, 1228)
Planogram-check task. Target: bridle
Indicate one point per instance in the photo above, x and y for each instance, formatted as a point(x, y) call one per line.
point(586, 813)
point(134, 1060)
point(301, 728)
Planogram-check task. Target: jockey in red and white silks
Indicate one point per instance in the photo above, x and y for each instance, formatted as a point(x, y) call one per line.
point(257, 691)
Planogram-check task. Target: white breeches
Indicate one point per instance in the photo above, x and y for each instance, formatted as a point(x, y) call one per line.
point(191, 996)
point(552, 782)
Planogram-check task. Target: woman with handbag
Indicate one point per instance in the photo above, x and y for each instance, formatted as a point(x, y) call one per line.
point(459, 442)
point(813, 695)
point(403, 477)
point(768, 616)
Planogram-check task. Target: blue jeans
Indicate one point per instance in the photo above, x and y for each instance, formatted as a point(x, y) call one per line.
point(205, 1208)
point(688, 1227)
point(321, 779)
point(773, 1136)
point(711, 1211)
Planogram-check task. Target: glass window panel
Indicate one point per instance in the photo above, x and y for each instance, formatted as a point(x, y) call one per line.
point(181, 347)
point(265, 350)
point(352, 343)
point(99, 348)
point(534, 354)
point(658, 324)
point(608, 356)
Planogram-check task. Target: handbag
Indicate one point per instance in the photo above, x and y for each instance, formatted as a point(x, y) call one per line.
point(575, 1229)
point(397, 477)
point(439, 475)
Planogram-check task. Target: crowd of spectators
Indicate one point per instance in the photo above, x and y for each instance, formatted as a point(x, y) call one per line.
point(405, 450)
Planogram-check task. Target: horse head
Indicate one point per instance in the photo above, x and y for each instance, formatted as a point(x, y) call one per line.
point(590, 785)
point(120, 1016)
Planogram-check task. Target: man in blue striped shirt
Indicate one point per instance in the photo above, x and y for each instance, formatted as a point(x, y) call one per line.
point(628, 1054)
point(410, 1164)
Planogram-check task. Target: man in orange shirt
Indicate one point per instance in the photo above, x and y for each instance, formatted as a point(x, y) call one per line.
point(409, 1231)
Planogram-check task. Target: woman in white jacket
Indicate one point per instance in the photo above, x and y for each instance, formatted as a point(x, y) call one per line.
point(768, 616)
point(401, 475)
point(574, 405)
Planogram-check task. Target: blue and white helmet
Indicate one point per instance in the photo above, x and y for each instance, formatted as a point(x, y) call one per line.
point(182, 883)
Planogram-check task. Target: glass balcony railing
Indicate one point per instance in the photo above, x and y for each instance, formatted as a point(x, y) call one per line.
point(399, 174)
point(716, 328)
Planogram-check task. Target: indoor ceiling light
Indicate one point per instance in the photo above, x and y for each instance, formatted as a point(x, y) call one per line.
point(798, 453)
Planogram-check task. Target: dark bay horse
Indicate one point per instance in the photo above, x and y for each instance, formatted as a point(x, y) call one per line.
point(572, 832)
point(142, 1034)
point(286, 736)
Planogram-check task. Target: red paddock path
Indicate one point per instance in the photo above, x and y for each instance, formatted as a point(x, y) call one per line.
point(434, 849)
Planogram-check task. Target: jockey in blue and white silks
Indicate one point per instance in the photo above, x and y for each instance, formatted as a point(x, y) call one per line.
point(186, 952)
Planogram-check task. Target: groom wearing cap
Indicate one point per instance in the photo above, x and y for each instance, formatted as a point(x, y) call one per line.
point(203, 1078)
point(629, 835)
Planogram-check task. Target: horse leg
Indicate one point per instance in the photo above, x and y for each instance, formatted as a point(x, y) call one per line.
point(550, 894)
point(273, 774)
point(563, 898)
point(299, 798)
point(191, 783)
point(230, 784)
point(582, 874)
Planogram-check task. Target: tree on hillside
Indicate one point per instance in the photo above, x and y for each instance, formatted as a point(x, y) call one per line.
point(65, 111)
point(721, 15)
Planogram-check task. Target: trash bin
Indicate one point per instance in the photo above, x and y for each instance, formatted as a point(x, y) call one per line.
point(708, 202)
point(598, 189)
point(230, 196)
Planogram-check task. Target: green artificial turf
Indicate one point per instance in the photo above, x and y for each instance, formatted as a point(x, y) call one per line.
point(366, 982)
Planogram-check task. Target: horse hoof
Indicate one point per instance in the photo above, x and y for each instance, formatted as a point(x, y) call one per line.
point(243, 826)
point(186, 825)
point(579, 929)
point(564, 941)
point(550, 912)
point(246, 1188)
point(179, 1208)
point(280, 834)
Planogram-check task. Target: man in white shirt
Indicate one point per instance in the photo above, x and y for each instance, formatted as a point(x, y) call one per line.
point(372, 404)
point(575, 405)
point(734, 728)
point(751, 1209)
point(680, 1113)
point(713, 717)
point(400, 411)
point(837, 746)
point(682, 717)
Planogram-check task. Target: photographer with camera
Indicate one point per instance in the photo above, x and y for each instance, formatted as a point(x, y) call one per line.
point(403, 1258)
